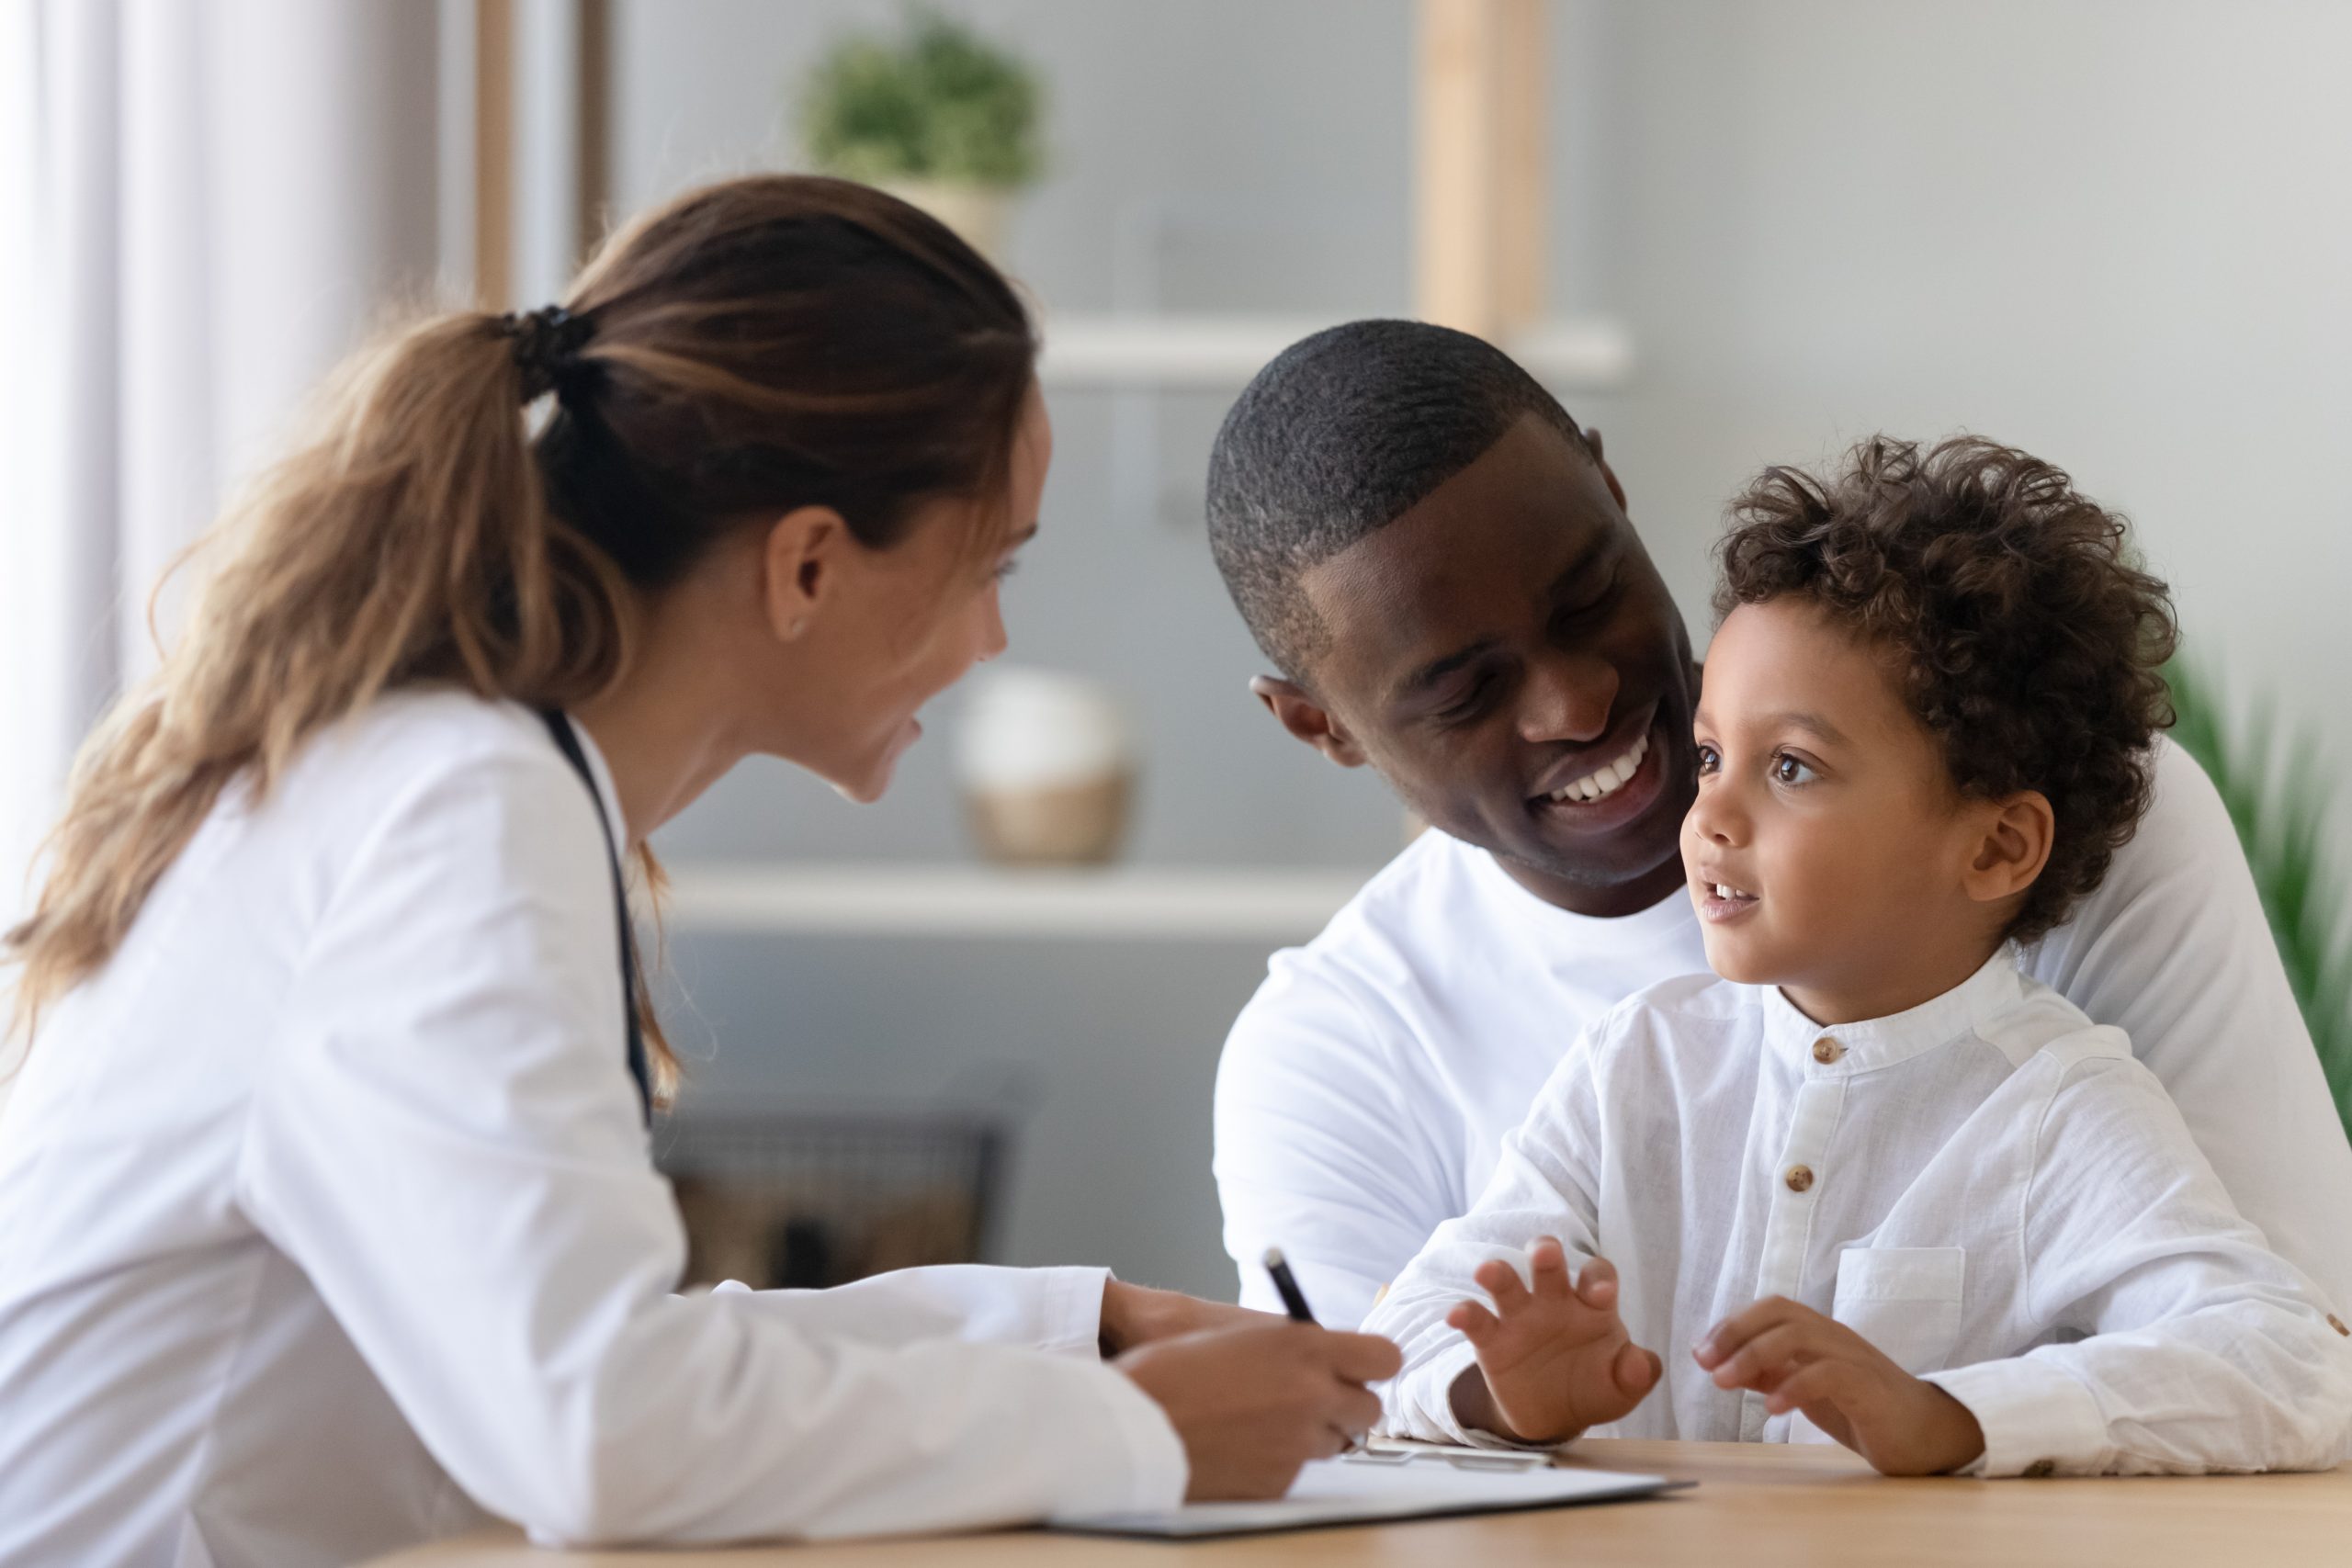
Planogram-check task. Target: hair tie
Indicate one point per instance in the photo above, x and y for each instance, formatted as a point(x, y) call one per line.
point(547, 344)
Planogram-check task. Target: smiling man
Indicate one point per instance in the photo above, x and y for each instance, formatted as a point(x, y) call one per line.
point(1438, 563)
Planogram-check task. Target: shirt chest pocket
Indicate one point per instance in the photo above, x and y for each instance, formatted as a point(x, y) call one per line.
point(1904, 1300)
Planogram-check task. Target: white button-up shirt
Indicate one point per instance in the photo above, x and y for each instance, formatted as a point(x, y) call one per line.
point(328, 1222)
point(1987, 1188)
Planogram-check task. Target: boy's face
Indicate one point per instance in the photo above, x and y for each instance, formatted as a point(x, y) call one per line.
point(1496, 652)
point(1854, 865)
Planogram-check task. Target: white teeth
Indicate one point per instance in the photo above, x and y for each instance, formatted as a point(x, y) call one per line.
point(1609, 779)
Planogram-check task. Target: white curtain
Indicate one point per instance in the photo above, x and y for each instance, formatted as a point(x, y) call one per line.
point(203, 204)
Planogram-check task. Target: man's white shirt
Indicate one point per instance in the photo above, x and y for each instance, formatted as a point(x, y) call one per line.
point(330, 1225)
point(1987, 1188)
point(1366, 1090)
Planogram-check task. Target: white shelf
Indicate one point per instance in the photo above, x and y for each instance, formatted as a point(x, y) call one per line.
point(986, 902)
point(1222, 352)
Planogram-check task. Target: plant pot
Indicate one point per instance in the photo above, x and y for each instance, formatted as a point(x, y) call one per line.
point(977, 213)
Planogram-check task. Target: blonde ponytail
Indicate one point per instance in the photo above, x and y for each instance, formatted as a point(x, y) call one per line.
point(408, 539)
point(756, 345)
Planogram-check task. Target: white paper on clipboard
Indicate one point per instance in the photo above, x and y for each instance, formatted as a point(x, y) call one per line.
point(1351, 1491)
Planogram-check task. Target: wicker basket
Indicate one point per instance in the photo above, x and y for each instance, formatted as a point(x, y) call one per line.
point(808, 1201)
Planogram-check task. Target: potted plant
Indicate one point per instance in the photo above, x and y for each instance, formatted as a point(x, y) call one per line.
point(936, 115)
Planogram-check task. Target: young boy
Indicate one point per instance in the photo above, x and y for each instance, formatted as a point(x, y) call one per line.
point(1871, 1182)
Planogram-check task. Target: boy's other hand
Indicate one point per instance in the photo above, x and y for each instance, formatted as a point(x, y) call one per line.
point(1801, 1360)
point(1553, 1356)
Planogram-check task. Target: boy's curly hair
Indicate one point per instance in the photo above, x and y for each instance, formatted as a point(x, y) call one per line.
point(2026, 637)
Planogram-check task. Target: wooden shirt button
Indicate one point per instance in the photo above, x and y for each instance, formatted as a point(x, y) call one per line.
point(1825, 1050)
point(1799, 1178)
point(2337, 1323)
point(2040, 1468)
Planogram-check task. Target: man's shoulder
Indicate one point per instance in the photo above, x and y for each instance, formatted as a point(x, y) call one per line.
point(2177, 890)
point(1374, 946)
point(1428, 886)
point(2186, 817)
point(2185, 835)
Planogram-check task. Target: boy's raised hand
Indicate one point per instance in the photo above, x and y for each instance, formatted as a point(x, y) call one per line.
point(1801, 1360)
point(1553, 1356)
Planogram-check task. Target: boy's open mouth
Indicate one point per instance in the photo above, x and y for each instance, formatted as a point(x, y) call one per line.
point(1720, 901)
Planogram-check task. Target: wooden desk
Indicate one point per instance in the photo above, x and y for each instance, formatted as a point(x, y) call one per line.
point(1757, 1505)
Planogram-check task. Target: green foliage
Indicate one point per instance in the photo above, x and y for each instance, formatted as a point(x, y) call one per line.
point(2277, 794)
point(938, 104)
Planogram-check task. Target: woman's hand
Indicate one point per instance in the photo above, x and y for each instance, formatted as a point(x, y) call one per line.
point(1801, 1360)
point(1553, 1356)
point(1255, 1403)
point(1136, 1315)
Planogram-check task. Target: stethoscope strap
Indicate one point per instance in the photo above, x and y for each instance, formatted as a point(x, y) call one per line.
point(568, 743)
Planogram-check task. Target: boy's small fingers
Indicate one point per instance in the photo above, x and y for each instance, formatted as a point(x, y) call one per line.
point(1773, 1351)
point(1741, 1326)
point(1474, 1322)
point(1547, 1264)
point(1814, 1383)
point(1636, 1371)
point(1597, 1283)
point(1501, 1280)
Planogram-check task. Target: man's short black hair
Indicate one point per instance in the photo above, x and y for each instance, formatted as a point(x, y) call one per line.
point(1341, 434)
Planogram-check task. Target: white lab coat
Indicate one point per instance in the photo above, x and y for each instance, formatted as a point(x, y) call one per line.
point(328, 1222)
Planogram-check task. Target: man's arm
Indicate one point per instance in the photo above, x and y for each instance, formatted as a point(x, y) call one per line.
point(2173, 950)
point(1323, 1144)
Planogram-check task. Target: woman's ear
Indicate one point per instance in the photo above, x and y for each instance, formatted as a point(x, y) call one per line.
point(1297, 711)
point(2011, 848)
point(801, 563)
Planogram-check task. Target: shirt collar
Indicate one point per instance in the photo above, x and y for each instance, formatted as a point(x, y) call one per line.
point(1962, 1011)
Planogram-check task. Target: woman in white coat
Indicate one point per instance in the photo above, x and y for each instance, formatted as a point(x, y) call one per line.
point(327, 1219)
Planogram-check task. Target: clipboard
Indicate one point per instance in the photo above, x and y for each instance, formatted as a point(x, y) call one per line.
point(1386, 1482)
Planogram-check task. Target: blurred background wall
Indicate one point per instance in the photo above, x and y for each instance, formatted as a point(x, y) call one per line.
point(2114, 231)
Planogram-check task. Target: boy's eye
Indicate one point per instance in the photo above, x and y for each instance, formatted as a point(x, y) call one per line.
point(1707, 760)
point(1788, 770)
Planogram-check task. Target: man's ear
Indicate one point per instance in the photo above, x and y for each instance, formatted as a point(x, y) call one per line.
point(801, 567)
point(1608, 474)
point(1306, 719)
point(2011, 847)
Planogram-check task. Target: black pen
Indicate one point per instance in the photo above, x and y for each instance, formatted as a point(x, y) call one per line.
point(1293, 1303)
